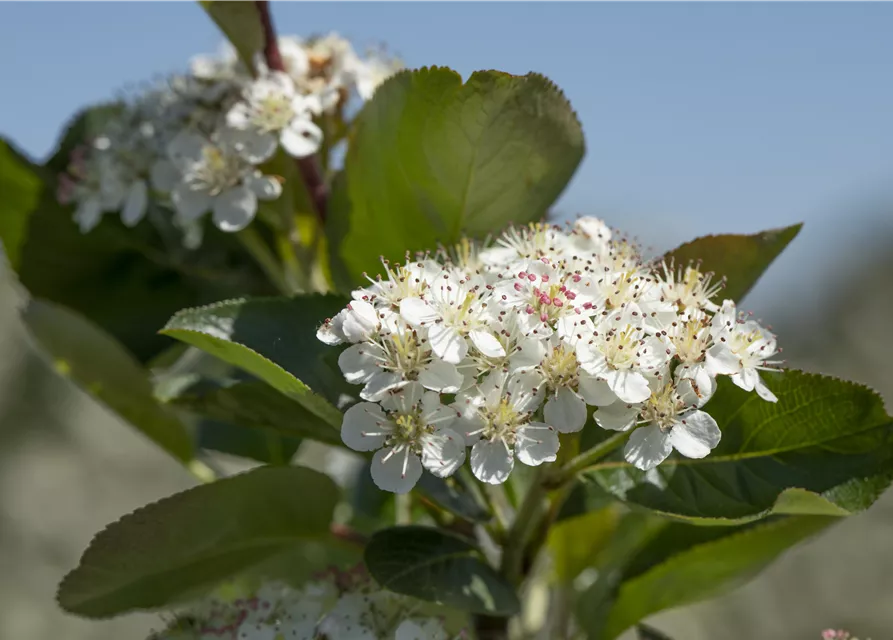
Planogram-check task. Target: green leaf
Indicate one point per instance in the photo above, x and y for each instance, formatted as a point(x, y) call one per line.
point(708, 569)
point(451, 494)
point(240, 23)
point(576, 542)
point(273, 339)
point(432, 158)
point(261, 408)
point(193, 540)
point(80, 350)
point(257, 444)
point(644, 632)
point(81, 129)
point(825, 448)
point(22, 187)
point(434, 565)
point(741, 259)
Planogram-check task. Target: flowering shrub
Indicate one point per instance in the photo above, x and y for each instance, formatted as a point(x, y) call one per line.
point(515, 416)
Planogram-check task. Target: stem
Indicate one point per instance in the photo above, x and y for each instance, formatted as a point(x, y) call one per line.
point(587, 459)
point(345, 533)
point(309, 166)
point(403, 508)
point(255, 245)
point(526, 521)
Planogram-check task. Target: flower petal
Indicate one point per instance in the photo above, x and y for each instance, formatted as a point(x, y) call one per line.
point(360, 321)
point(764, 392)
point(647, 447)
point(428, 629)
point(617, 417)
point(396, 472)
point(441, 376)
point(264, 187)
point(234, 209)
point(164, 175)
point(487, 343)
point(695, 434)
point(443, 452)
point(190, 204)
point(565, 411)
point(252, 145)
point(88, 213)
point(363, 427)
point(380, 384)
point(630, 386)
point(358, 363)
point(301, 138)
point(417, 312)
point(446, 343)
point(538, 443)
point(722, 361)
point(135, 204)
point(595, 392)
point(491, 462)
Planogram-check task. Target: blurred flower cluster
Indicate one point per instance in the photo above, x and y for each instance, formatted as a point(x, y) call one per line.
point(838, 634)
point(197, 143)
point(335, 605)
point(503, 347)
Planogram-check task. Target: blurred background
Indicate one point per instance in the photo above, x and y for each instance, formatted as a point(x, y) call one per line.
point(700, 118)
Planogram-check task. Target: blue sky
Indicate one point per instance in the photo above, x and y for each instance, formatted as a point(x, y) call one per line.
point(699, 118)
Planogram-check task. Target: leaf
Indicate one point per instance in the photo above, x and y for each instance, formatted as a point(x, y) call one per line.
point(273, 339)
point(644, 632)
point(261, 408)
point(434, 565)
point(240, 23)
point(708, 569)
point(78, 349)
point(257, 444)
point(825, 448)
point(193, 540)
point(81, 129)
point(452, 495)
point(21, 185)
point(741, 259)
point(432, 158)
point(575, 542)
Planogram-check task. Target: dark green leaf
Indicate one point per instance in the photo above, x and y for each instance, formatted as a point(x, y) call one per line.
point(575, 542)
point(83, 127)
point(452, 495)
point(708, 569)
point(432, 158)
point(741, 259)
point(825, 448)
point(240, 23)
point(103, 368)
point(258, 444)
point(22, 187)
point(261, 408)
point(195, 539)
point(434, 565)
point(650, 633)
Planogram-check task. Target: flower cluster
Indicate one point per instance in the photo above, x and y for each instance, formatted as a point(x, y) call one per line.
point(838, 634)
point(342, 605)
point(197, 143)
point(503, 347)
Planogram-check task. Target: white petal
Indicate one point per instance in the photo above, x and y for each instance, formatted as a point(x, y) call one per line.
point(254, 631)
point(136, 203)
point(357, 363)
point(399, 473)
point(530, 354)
point(647, 447)
point(186, 147)
point(239, 117)
point(429, 629)
point(630, 386)
point(234, 209)
point(487, 344)
point(417, 312)
point(539, 444)
point(565, 411)
point(617, 417)
point(381, 383)
point(264, 187)
point(164, 176)
point(332, 332)
point(695, 434)
point(254, 146)
point(360, 322)
point(441, 376)
point(190, 204)
point(88, 213)
point(407, 401)
point(491, 462)
point(595, 392)
point(301, 138)
point(361, 420)
point(764, 392)
point(703, 385)
point(721, 361)
point(443, 452)
point(525, 387)
point(446, 343)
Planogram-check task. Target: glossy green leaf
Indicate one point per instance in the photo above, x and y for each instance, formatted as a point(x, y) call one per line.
point(741, 259)
point(78, 349)
point(240, 23)
point(825, 448)
point(273, 339)
point(708, 569)
point(434, 565)
point(22, 187)
point(193, 540)
point(451, 494)
point(432, 158)
point(575, 543)
point(260, 407)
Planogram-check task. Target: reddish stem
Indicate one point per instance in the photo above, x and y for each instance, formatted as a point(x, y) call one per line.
point(309, 167)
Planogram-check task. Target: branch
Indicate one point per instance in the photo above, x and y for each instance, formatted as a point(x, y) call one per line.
point(309, 167)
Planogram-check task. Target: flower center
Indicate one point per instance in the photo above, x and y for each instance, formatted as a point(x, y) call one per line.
point(621, 347)
point(216, 172)
point(618, 289)
point(689, 288)
point(536, 240)
point(404, 354)
point(401, 283)
point(560, 368)
point(502, 422)
point(691, 339)
point(272, 113)
point(662, 408)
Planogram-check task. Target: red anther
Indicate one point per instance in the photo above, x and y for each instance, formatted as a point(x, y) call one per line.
point(557, 302)
point(544, 317)
point(545, 299)
point(570, 295)
point(529, 310)
point(517, 286)
point(576, 277)
point(544, 277)
point(587, 305)
point(522, 274)
point(531, 277)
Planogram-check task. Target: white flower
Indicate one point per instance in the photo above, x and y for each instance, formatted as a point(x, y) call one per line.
point(591, 236)
point(527, 243)
point(689, 338)
point(421, 629)
point(520, 352)
point(624, 356)
point(742, 349)
point(390, 360)
point(497, 418)
point(689, 288)
point(673, 421)
point(370, 73)
point(410, 430)
point(271, 112)
point(213, 176)
point(454, 306)
point(408, 280)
